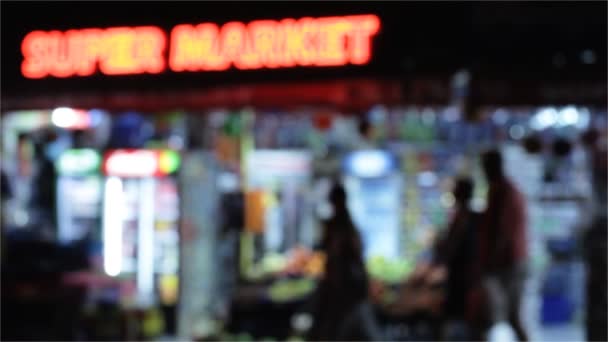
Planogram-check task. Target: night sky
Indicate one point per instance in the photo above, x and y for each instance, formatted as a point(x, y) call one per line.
point(496, 39)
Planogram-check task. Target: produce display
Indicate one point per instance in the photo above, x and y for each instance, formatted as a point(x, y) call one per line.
point(273, 263)
point(298, 261)
point(290, 289)
point(389, 271)
point(303, 261)
point(315, 265)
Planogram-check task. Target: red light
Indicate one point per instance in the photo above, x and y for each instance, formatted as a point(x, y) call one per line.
point(133, 51)
point(117, 51)
point(265, 40)
point(332, 41)
point(329, 41)
point(86, 47)
point(364, 27)
point(34, 48)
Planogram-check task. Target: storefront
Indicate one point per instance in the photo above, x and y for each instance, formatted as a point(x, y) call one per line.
point(307, 74)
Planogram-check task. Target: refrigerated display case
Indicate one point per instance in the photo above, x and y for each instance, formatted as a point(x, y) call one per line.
point(140, 223)
point(78, 195)
point(277, 208)
point(373, 188)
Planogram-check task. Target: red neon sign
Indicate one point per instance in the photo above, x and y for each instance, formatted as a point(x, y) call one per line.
point(113, 51)
point(329, 41)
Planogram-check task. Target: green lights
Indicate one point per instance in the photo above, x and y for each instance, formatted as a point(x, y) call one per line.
point(168, 161)
point(78, 162)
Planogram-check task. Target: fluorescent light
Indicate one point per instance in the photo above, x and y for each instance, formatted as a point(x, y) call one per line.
point(548, 117)
point(568, 116)
point(66, 231)
point(113, 226)
point(545, 118)
point(63, 117)
point(140, 163)
point(369, 163)
point(584, 117)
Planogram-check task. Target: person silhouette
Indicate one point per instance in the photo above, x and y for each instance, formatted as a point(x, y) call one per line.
point(503, 252)
point(343, 310)
point(458, 253)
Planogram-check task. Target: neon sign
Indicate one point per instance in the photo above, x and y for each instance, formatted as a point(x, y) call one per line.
point(331, 41)
point(261, 44)
point(113, 51)
point(140, 163)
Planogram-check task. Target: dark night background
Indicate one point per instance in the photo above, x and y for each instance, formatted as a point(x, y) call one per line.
point(496, 40)
point(533, 89)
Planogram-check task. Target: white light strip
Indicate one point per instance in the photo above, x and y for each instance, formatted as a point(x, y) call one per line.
point(63, 211)
point(145, 237)
point(132, 164)
point(113, 226)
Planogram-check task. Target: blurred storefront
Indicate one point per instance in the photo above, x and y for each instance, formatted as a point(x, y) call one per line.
point(235, 128)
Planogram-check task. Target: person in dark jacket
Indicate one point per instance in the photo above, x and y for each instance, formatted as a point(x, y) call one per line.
point(343, 310)
point(503, 246)
point(595, 248)
point(458, 253)
point(44, 196)
point(6, 187)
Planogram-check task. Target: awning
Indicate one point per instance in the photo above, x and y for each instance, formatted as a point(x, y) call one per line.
point(357, 94)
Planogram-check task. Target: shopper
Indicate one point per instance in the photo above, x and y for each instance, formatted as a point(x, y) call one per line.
point(7, 194)
point(595, 247)
point(342, 309)
point(44, 196)
point(458, 253)
point(503, 245)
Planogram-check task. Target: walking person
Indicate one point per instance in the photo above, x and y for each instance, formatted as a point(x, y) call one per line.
point(458, 253)
point(595, 245)
point(503, 249)
point(343, 311)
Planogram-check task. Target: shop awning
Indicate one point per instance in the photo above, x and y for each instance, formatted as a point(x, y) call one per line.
point(350, 95)
point(357, 94)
